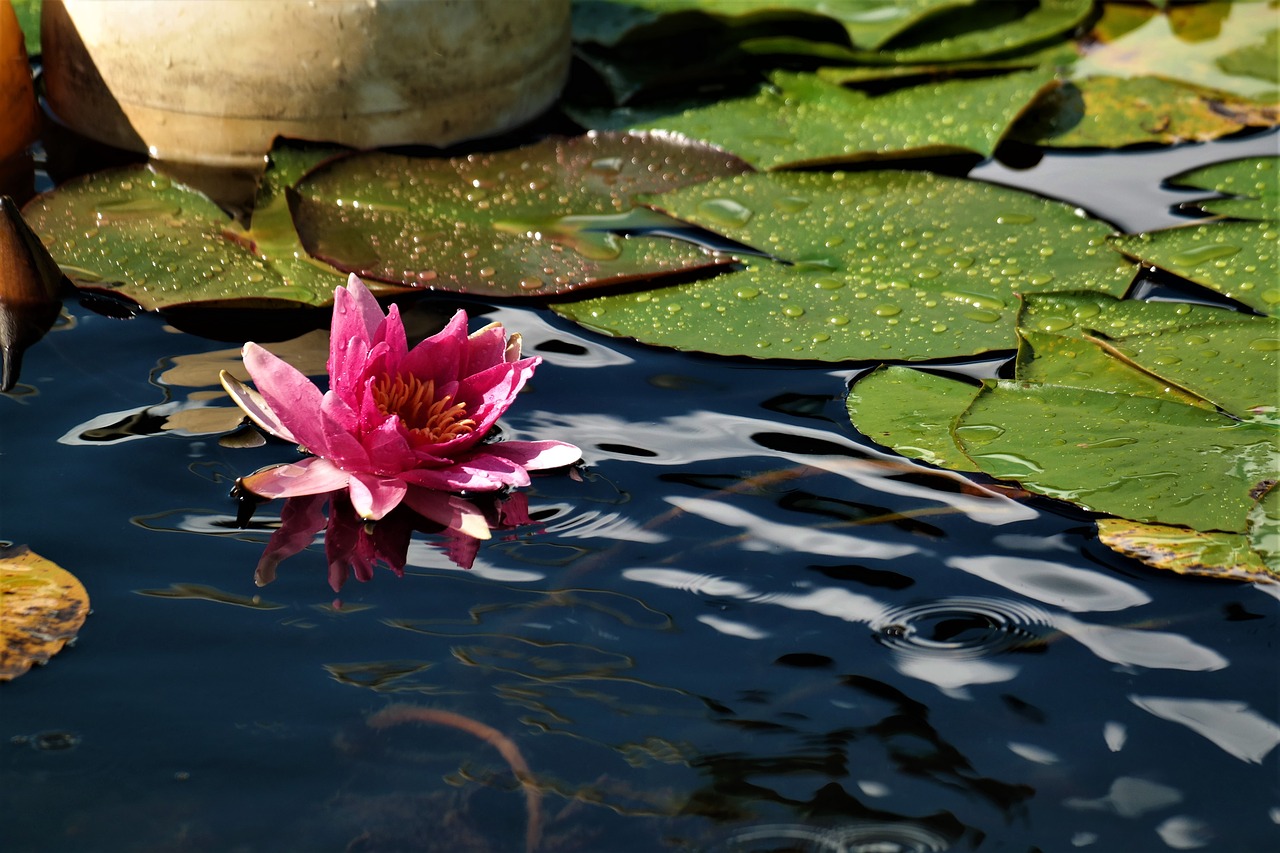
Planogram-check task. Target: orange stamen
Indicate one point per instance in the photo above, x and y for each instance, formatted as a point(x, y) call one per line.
point(414, 401)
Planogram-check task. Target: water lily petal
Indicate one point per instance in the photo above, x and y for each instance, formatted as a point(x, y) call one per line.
point(536, 455)
point(311, 476)
point(373, 496)
point(293, 397)
point(356, 314)
point(252, 404)
point(440, 357)
point(449, 511)
point(479, 474)
point(391, 334)
point(300, 520)
point(485, 348)
point(491, 392)
point(339, 425)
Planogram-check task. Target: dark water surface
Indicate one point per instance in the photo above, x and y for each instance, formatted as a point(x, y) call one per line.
point(746, 629)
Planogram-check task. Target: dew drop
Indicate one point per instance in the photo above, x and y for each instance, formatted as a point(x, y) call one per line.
point(724, 211)
point(1265, 345)
point(888, 310)
point(1015, 219)
point(1204, 254)
point(747, 293)
point(793, 311)
point(828, 284)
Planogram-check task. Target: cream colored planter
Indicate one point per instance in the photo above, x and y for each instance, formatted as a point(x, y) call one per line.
point(214, 81)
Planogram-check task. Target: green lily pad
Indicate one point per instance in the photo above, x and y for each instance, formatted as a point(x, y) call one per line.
point(912, 412)
point(1173, 48)
point(1253, 183)
point(806, 121)
point(136, 232)
point(1188, 552)
point(1233, 364)
point(1264, 528)
point(868, 23)
point(1237, 259)
point(536, 220)
point(879, 265)
point(1053, 56)
point(1117, 112)
point(1196, 354)
point(986, 29)
point(1095, 449)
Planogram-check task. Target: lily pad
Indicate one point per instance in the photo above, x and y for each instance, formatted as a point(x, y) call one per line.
point(136, 232)
point(1188, 552)
point(1196, 354)
point(876, 265)
point(1169, 48)
point(1264, 528)
point(42, 607)
point(536, 220)
point(803, 120)
point(1237, 259)
point(1094, 449)
point(913, 413)
point(1253, 183)
point(986, 29)
point(1232, 363)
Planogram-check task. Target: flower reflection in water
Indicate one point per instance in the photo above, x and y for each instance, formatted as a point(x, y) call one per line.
point(355, 546)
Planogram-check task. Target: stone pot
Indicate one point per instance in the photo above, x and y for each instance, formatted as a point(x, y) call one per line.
point(215, 81)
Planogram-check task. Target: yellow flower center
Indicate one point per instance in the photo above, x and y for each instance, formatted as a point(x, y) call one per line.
point(415, 402)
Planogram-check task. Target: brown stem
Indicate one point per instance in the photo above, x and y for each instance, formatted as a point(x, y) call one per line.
point(394, 715)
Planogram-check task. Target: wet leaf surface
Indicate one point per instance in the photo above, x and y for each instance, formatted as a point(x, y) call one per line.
point(1115, 112)
point(913, 413)
point(1253, 184)
point(134, 231)
point(879, 265)
point(988, 29)
point(537, 220)
point(1187, 552)
point(42, 607)
point(1237, 259)
point(803, 120)
point(1094, 449)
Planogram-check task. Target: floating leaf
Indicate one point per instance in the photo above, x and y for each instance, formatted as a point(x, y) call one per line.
point(1187, 552)
point(42, 607)
point(806, 121)
point(1254, 183)
point(986, 29)
point(912, 412)
point(1052, 56)
point(1095, 449)
point(1237, 259)
point(1167, 350)
point(900, 265)
point(536, 220)
point(1116, 112)
point(134, 231)
point(1168, 47)
point(1232, 362)
point(1264, 528)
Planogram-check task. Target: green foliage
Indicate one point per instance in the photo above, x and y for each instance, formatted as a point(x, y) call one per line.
point(537, 220)
point(873, 265)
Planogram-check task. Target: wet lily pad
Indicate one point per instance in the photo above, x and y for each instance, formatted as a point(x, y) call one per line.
point(1188, 552)
point(42, 607)
point(1264, 528)
point(1233, 364)
point(1196, 354)
point(536, 220)
point(987, 29)
point(912, 412)
point(1237, 259)
point(1229, 54)
point(136, 232)
point(1094, 449)
point(803, 120)
point(1252, 182)
point(878, 265)
point(868, 23)
point(1116, 112)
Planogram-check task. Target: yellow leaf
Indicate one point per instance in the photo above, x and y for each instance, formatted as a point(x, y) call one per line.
point(42, 606)
point(1186, 551)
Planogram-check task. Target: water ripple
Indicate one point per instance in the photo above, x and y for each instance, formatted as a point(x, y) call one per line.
point(856, 838)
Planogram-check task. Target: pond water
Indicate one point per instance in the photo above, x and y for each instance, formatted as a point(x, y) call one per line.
point(744, 628)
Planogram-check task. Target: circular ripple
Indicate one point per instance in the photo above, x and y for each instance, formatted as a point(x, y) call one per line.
point(964, 627)
point(856, 838)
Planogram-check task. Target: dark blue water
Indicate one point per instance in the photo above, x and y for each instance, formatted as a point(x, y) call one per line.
point(745, 629)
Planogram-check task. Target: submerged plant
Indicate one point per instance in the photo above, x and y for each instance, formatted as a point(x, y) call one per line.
point(397, 425)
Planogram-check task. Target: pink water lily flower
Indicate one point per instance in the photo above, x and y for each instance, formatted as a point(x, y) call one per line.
point(396, 423)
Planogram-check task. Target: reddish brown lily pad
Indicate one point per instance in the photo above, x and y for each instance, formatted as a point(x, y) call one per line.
point(532, 221)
